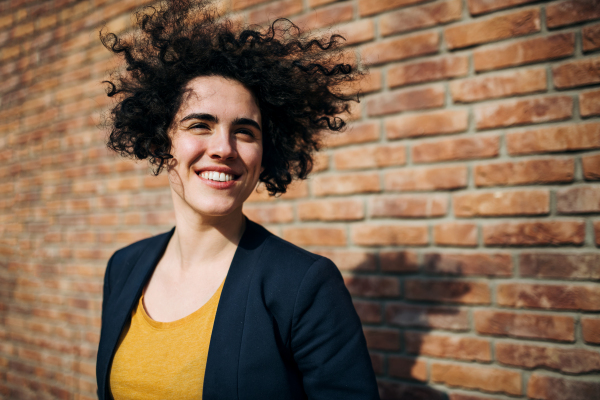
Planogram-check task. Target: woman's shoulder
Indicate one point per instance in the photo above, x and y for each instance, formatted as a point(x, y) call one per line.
point(124, 259)
point(276, 247)
point(286, 261)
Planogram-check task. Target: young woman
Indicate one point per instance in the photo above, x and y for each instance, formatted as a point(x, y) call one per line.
point(219, 308)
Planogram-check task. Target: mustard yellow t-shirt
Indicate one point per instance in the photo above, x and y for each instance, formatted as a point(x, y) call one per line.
point(163, 360)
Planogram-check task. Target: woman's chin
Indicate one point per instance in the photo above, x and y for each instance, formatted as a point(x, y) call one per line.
point(215, 210)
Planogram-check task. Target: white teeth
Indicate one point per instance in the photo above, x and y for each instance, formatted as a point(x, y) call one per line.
point(216, 176)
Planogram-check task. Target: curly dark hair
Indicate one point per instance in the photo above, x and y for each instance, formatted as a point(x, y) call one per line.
point(298, 81)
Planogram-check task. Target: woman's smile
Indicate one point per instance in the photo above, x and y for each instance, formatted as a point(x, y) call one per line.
point(218, 177)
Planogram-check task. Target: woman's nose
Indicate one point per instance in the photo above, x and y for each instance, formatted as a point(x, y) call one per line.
point(222, 145)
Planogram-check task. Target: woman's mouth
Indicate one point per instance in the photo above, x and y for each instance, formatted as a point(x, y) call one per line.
point(218, 180)
point(216, 176)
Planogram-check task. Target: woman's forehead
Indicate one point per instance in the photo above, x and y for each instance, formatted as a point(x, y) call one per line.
point(223, 97)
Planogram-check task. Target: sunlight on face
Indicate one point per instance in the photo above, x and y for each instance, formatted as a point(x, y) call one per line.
point(216, 146)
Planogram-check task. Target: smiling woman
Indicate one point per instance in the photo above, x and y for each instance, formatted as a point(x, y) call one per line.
point(217, 142)
point(219, 308)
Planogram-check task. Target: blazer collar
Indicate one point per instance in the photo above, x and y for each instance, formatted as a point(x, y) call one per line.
point(221, 376)
point(120, 309)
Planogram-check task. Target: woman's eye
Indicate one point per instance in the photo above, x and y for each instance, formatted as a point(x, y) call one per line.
point(246, 132)
point(199, 126)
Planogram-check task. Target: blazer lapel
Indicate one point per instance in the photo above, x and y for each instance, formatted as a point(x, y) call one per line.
point(120, 308)
point(221, 376)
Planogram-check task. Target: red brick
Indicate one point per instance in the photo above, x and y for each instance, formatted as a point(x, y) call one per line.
point(420, 17)
point(377, 360)
point(557, 297)
point(370, 7)
point(432, 69)
point(325, 16)
point(534, 233)
point(270, 214)
point(331, 210)
point(122, 184)
point(447, 291)
point(389, 390)
point(351, 260)
point(408, 206)
point(372, 286)
point(455, 234)
point(272, 11)
point(369, 312)
point(446, 346)
point(241, 4)
point(523, 111)
point(407, 368)
point(370, 157)
point(436, 178)
point(576, 73)
point(468, 264)
point(321, 162)
point(426, 124)
point(449, 318)
point(500, 85)
point(591, 329)
point(398, 261)
point(525, 172)
point(561, 388)
point(591, 37)
point(501, 203)
point(463, 148)
point(356, 133)
point(406, 100)
point(357, 31)
point(484, 6)
point(568, 12)
point(346, 184)
point(579, 199)
point(493, 28)
point(317, 3)
point(488, 379)
point(418, 44)
point(524, 51)
point(315, 236)
point(560, 266)
point(581, 136)
point(461, 396)
point(382, 339)
point(589, 103)
point(591, 167)
point(389, 235)
point(569, 360)
point(525, 325)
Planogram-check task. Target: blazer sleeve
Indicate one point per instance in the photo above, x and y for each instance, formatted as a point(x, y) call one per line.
point(327, 340)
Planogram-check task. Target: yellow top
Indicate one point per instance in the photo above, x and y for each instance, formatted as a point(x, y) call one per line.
point(163, 360)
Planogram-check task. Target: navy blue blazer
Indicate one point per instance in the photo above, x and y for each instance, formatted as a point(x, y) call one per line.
point(285, 326)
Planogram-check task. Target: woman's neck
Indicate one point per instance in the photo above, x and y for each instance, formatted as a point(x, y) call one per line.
point(205, 240)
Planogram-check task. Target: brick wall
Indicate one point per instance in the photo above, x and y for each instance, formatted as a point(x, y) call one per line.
point(462, 206)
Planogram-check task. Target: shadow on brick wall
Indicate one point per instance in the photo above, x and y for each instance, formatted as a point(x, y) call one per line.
point(409, 315)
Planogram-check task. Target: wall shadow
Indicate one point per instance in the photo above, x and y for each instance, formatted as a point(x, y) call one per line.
point(415, 327)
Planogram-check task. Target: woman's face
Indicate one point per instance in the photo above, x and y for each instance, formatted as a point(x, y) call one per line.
point(217, 147)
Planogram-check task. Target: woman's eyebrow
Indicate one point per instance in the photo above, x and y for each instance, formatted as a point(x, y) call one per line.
point(246, 121)
point(201, 116)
